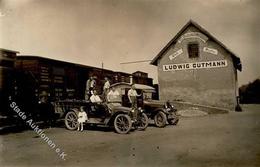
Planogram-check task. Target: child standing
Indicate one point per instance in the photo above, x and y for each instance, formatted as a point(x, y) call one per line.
point(82, 117)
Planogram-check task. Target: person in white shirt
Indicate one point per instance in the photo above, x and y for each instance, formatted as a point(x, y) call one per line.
point(99, 107)
point(106, 88)
point(132, 96)
point(95, 98)
point(82, 117)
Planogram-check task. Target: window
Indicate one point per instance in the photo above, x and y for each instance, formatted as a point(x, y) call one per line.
point(193, 50)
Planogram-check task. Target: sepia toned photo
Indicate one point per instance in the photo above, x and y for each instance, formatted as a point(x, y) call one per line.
point(129, 83)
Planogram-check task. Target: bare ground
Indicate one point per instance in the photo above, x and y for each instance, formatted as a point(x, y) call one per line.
point(217, 140)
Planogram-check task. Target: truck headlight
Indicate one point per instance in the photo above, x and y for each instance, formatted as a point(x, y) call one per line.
point(165, 106)
point(140, 109)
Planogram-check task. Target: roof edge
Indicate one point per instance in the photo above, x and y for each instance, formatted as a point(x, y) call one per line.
point(154, 61)
point(8, 50)
point(236, 59)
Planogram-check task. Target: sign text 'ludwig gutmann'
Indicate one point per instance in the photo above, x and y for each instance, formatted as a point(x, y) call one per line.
point(195, 65)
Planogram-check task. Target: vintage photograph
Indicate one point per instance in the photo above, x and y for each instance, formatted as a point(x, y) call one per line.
point(129, 83)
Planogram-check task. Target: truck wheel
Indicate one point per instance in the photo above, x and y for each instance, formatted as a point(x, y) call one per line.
point(160, 119)
point(144, 121)
point(71, 120)
point(122, 123)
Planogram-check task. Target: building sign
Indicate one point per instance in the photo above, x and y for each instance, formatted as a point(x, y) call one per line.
point(210, 50)
point(175, 54)
point(195, 65)
point(197, 35)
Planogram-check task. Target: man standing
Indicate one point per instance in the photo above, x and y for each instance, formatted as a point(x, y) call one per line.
point(90, 85)
point(93, 84)
point(132, 96)
point(46, 109)
point(106, 88)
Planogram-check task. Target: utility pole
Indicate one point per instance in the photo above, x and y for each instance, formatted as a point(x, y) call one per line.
point(102, 70)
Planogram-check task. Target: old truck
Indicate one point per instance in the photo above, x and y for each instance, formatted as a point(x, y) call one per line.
point(162, 112)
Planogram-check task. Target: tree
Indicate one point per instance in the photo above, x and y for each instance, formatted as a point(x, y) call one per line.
point(250, 93)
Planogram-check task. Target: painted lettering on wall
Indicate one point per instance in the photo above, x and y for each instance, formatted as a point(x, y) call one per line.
point(210, 50)
point(197, 35)
point(195, 65)
point(175, 54)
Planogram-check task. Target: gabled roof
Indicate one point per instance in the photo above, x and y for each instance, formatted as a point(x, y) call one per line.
point(235, 58)
point(7, 50)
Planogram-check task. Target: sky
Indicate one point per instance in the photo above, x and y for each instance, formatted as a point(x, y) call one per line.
point(90, 32)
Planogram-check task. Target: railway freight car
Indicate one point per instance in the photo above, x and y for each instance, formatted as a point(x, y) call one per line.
point(7, 71)
point(62, 80)
point(59, 79)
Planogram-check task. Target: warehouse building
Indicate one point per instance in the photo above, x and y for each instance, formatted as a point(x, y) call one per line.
point(195, 67)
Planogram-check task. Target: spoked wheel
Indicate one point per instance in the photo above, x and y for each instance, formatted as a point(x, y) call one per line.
point(71, 120)
point(122, 123)
point(143, 122)
point(160, 119)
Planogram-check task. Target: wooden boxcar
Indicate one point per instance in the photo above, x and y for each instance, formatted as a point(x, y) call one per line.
point(63, 80)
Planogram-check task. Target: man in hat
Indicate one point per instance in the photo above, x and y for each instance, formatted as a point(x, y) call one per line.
point(46, 109)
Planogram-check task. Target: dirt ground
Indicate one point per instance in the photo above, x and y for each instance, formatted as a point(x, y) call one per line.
point(219, 140)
